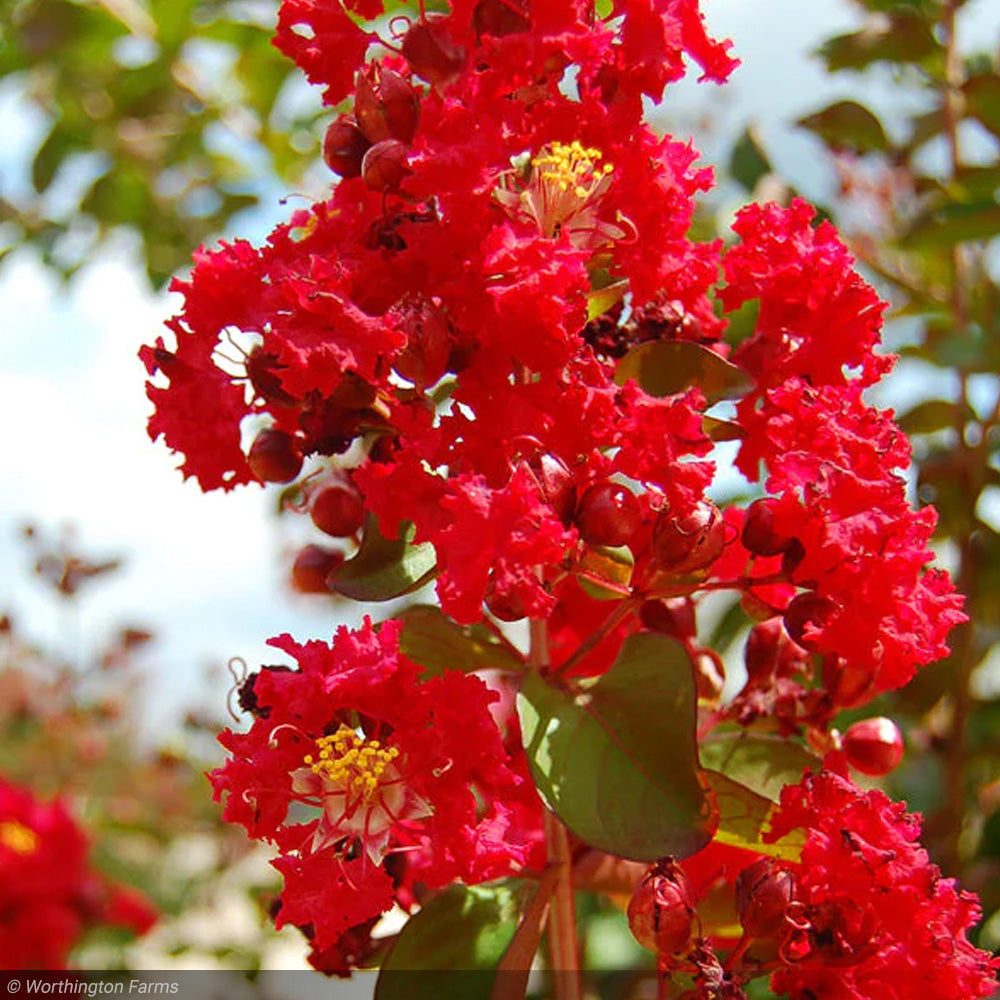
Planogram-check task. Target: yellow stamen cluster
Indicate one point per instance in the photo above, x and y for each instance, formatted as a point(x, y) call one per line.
point(351, 763)
point(573, 166)
point(18, 838)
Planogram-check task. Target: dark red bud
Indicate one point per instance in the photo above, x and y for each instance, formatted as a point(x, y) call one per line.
point(555, 483)
point(660, 912)
point(425, 358)
point(672, 616)
point(311, 568)
point(607, 514)
point(848, 684)
point(498, 18)
point(344, 147)
point(401, 105)
point(262, 370)
point(384, 449)
point(874, 746)
point(384, 165)
point(810, 612)
point(368, 107)
point(792, 556)
point(504, 604)
point(763, 650)
point(275, 457)
point(338, 510)
point(386, 105)
point(688, 542)
point(431, 53)
point(763, 892)
point(759, 536)
point(353, 392)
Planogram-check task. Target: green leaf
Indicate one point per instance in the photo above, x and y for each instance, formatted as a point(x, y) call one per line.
point(616, 758)
point(457, 939)
point(605, 572)
point(745, 818)
point(982, 100)
point(930, 8)
point(437, 643)
point(976, 182)
point(923, 127)
point(904, 36)
point(748, 163)
point(601, 300)
point(762, 764)
point(51, 155)
point(728, 626)
point(665, 367)
point(742, 322)
point(847, 125)
point(722, 430)
point(384, 569)
point(931, 415)
point(954, 222)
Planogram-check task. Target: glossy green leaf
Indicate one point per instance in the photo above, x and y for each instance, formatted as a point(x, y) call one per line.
point(616, 758)
point(665, 367)
point(762, 764)
point(745, 819)
point(437, 643)
point(456, 942)
point(847, 125)
point(384, 568)
point(748, 163)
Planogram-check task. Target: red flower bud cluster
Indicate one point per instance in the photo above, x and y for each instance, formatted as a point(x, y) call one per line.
point(868, 904)
point(49, 894)
point(859, 912)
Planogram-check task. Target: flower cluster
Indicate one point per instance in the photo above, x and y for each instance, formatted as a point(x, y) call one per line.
point(49, 895)
point(861, 914)
point(369, 778)
point(495, 342)
point(488, 268)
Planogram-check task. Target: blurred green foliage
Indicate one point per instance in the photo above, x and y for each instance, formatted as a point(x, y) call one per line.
point(164, 116)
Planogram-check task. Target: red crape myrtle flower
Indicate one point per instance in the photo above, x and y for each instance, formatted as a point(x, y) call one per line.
point(448, 328)
point(871, 917)
point(476, 264)
point(49, 895)
point(360, 771)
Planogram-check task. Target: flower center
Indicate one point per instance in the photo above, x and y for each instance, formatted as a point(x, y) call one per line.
point(561, 189)
point(572, 168)
point(351, 763)
point(18, 838)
